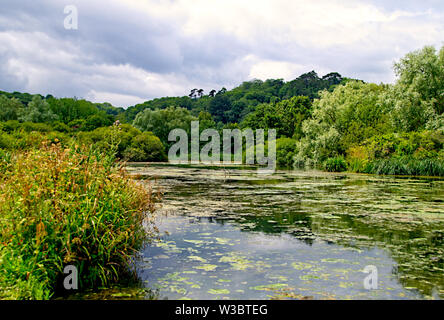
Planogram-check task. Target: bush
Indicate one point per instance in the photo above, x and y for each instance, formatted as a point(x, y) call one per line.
point(37, 127)
point(146, 147)
point(60, 127)
point(336, 164)
point(68, 207)
point(419, 145)
point(96, 121)
point(285, 152)
point(6, 141)
point(121, 135)
point(10, 126)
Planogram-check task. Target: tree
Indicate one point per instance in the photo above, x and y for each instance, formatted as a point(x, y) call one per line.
point(9, 108)
point(146, 147)
point(161, 122)
point(38, 110)
point(69, 109)
point(417, 98)
point(219, 106)
point(285, 116)
point(192, 95)
point(350, 114)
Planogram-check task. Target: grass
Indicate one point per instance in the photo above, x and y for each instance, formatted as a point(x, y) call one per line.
point(68, 206)
point(406, 166)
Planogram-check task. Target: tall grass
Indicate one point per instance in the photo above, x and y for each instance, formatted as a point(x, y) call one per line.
point(68, 206)
point(405, 166)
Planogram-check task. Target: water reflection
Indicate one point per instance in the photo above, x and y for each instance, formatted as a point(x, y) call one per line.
point(327, 227)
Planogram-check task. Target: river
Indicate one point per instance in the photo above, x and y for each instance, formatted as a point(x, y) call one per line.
point(228, 233)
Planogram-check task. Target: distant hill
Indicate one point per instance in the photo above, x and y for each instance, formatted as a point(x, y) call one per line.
point(233, 105)
point(226, 106)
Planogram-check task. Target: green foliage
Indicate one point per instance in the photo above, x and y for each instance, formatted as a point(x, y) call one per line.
point(38, 127)
point(10, 126)
point(285, 152)
point(337, 164)
point(67, 207)
point(234, 105)
point(96, 121)
point(406, 166)
point(309, 85)
point(417, 98)
point(220, 108)
point(38, 110)
point(60, 126)
point(6, 140)
point(145, 147)
point(162, 122)
point(131, 144)
point(419, 145)
point(10, 109)
point(342, 118)
point(285, 116)
point(23, 98)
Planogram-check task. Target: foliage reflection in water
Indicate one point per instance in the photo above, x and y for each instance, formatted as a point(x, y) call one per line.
point(233, 234)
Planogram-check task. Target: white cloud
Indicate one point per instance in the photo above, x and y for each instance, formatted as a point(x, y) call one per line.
point(128, 51)
point(267, 69)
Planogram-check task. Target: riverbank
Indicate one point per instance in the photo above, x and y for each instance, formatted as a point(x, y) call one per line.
point(68, 207)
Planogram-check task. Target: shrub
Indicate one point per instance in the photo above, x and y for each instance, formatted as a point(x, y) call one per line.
point(357, 159)
point(6, 141)
point(336, 164)
point(63, 207)
point(96, 121)
point(146, 147)
point(121, 135)
point(285, 152)
point(60, 126)
point(38, 127)
point(10, 126)
point(420, 145)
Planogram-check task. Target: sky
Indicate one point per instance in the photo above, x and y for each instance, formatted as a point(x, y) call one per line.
point(128, 51)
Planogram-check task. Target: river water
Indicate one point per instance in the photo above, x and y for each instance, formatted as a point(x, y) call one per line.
point(229, 233)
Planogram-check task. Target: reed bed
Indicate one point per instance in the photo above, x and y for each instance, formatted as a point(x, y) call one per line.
point(68, 206)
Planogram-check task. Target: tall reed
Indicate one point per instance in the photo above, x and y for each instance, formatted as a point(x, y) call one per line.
point(68, 206)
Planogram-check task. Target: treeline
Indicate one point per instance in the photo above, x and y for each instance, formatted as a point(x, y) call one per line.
point(232, 106)
point(347, 125)
point(384, 129)
point(26, 120)
point(330, 122)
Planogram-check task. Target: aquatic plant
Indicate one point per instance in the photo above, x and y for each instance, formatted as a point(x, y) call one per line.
point(68, 206)
point(336, 164)
point(406, 166)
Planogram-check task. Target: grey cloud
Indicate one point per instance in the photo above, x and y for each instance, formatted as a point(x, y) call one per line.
point(112, 35)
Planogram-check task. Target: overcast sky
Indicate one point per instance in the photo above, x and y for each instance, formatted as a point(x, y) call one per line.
point(128, 51)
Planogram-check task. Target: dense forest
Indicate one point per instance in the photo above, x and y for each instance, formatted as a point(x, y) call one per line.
point(329, 122)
